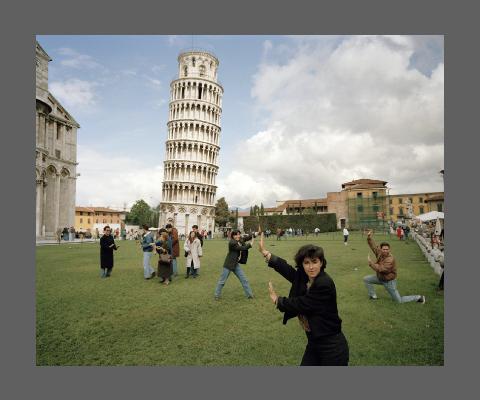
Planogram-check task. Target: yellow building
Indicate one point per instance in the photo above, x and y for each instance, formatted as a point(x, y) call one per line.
point(400, 205)
point(88, 218)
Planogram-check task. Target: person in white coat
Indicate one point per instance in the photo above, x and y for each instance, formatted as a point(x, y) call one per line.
point(345, 236)
point(193, 251)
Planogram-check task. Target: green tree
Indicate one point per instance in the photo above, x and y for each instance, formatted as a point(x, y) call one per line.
point(140, 213)
point(262, 209)
point(222, 214)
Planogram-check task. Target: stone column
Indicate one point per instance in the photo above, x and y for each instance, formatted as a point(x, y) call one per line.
point(44, 201)
point(38, 208)
point(57, 202)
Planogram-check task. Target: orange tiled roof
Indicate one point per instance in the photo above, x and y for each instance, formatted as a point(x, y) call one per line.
point(305, 203)
point(97, 209)
point(364, 182)
point(435, 197)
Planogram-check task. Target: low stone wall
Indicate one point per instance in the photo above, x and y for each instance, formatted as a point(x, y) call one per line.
point(434, 256)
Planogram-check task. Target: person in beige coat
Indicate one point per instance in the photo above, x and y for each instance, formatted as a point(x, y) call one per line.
point(193, 250)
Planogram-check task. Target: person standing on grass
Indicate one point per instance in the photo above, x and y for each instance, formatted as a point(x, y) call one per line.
point(174, 246)
point(231, 265)
point(198, 234)
point(148, 243)
point(193, 251)
point(107, 245)
point(386, 273)
point(313, 300)
point(345, 236)
point(164, 268)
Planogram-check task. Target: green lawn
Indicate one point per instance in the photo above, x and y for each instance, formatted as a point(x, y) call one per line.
point(82, 319)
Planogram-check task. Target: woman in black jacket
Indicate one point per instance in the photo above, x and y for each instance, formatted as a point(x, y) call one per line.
point(313, 299)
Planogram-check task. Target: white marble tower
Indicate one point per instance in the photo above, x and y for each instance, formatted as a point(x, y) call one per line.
point(192, 146)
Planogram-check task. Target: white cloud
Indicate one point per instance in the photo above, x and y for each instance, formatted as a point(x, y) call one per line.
point(355, 110)
point(77, 60)
point(110, 180)
point(74, 92)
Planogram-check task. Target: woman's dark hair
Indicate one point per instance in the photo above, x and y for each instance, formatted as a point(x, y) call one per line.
point(161, 230)
point(106, 227)
point(145, 226)
point(234, 232)
point(384, 244)
point(310, 251)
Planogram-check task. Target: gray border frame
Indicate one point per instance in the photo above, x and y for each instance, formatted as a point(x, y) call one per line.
point(21, 379)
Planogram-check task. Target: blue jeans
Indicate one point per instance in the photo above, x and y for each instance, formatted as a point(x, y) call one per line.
point(174, 267)
point(241, 277)
point(147, 268)
point(390, 286)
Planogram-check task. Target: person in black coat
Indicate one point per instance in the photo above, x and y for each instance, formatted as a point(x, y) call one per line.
point(107, 245)
point(313, 300)
point(231, 265)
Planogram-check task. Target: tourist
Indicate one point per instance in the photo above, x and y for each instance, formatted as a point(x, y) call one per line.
point(193, 252)
point(231, 265)
point(313, 300)
point(386, 273)
point(107, 245)
point(164, 267)
point(317, 231)
point(198, 234)
point(59, 235)
point(345, 236)
point(65, 234)
point(406, 231)
point(174, 246)
point(71, 234)
point(399, 232)
point(148, 243)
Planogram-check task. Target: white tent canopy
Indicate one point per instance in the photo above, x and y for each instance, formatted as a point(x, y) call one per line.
point(430, 216)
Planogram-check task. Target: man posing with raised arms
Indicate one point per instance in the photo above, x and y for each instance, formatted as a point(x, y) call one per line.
point(386, 273)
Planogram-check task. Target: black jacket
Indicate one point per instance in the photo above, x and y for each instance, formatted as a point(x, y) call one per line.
point(106, 252)
point(244, 253)
point(233, 256)
point(318, 304)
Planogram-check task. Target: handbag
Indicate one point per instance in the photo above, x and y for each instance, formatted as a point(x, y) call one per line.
point(165, 258)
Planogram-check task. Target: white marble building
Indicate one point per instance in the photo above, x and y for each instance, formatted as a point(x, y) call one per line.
point(55, 157)
point(192, 146)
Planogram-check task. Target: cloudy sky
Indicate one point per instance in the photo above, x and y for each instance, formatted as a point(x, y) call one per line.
point(301, 114)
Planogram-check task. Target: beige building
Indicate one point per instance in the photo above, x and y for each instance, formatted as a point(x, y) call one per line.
point(88, 218)
point(402, 206)
point(55, 156)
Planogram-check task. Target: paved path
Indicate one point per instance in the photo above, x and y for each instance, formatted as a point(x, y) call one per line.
point(63, 242)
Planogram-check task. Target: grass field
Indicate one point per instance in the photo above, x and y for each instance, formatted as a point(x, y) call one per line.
point(82, 319)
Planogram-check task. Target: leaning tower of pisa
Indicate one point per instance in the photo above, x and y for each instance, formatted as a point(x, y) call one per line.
point(192, 146)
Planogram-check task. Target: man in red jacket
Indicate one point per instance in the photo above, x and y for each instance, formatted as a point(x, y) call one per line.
point(386, 273)
point(174, 246)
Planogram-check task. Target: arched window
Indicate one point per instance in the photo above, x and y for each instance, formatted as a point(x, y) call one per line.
point(185, 71)
point(202, 70)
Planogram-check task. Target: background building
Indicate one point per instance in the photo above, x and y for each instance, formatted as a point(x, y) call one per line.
point(55, 156)
point(192, 146)
point(89, 218)
point(399, 205)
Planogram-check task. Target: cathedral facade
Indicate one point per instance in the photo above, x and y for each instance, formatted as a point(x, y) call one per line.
point(192, 146)
point(55, 157)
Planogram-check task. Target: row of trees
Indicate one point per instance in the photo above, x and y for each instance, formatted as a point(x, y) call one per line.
point(141, 213)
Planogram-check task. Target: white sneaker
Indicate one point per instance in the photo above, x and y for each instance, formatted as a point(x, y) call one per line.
point(421, 300)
